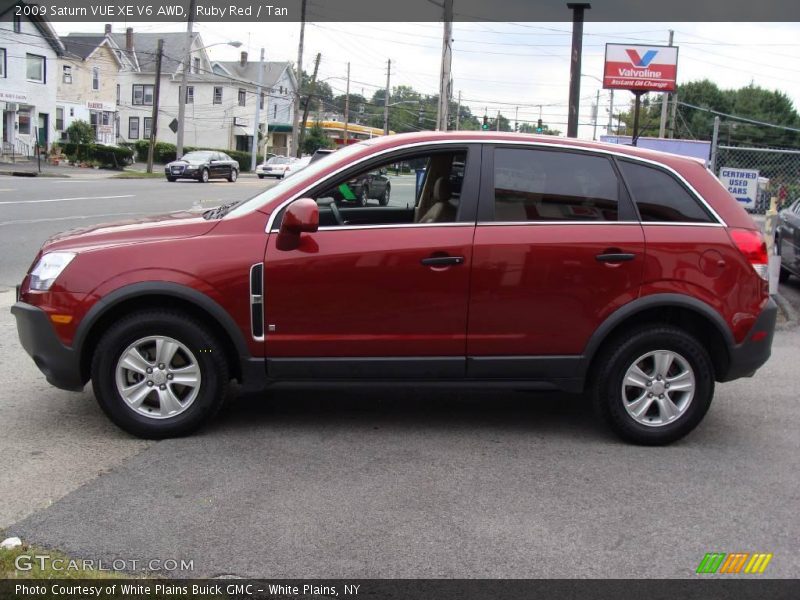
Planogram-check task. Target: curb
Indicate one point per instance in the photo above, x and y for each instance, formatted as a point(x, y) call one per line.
point(32, 174)
point(788, 311)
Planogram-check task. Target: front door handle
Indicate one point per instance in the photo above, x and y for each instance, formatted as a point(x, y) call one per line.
point(614, 257)
point(442, 261)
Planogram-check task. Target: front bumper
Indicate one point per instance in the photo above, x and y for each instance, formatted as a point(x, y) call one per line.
point(59, 363)
point(747, 357)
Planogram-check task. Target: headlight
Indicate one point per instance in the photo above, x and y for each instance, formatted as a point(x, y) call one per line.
point(48, 269)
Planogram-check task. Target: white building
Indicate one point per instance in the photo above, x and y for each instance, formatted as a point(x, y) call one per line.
point(29, 51)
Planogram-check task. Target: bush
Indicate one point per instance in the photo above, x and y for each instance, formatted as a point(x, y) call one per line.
point(105, 156)
point(165, 152)
point(80, 132)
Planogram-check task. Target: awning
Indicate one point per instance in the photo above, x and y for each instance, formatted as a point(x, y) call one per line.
point(280, 128)
point(239, 130)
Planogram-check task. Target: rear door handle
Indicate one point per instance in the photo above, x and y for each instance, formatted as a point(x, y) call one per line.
point(442, 261)
point(612, 257)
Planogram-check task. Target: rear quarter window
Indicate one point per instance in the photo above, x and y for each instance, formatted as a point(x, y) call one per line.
point(660, 197)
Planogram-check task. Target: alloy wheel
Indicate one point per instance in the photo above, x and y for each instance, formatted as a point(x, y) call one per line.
point(658, 388)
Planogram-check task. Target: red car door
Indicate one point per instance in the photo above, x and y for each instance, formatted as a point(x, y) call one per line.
point(381, 294)
point(558, 248)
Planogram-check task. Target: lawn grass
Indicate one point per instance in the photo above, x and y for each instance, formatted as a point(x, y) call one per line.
point(27, 556)
point(138, 175)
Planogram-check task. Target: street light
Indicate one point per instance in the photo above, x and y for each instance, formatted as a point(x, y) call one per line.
point(182, 94)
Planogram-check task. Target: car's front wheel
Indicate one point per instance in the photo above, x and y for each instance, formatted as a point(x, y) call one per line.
point(204, 176)
point(172, 179)
point(654, 385)
point(159, 374)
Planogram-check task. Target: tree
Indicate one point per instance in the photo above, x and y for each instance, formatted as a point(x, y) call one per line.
point(316, 139)
point(80, 132)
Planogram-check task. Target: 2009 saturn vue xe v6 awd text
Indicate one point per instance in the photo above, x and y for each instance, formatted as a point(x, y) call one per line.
point(513, 261)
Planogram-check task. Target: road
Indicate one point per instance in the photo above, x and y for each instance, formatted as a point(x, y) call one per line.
point(396, 484)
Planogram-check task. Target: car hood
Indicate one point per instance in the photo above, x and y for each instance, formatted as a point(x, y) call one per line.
point(178, 163)
point(172, 226)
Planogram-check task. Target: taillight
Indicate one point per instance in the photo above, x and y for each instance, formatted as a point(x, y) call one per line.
point(751, 244)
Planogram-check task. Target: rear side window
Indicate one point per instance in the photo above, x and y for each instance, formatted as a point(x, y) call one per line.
point(543, 185)
point(660, 197)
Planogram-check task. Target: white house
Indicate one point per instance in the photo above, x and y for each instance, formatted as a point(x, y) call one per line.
point(29, 51)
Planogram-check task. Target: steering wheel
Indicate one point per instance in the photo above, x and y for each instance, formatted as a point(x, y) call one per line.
point(336, 214)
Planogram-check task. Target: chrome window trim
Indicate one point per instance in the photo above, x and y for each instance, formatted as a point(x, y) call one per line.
point(644, 224)
point(394, 226)
point(531, 143)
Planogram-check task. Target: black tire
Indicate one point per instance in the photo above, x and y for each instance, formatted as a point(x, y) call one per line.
point(203, 176)
point(621, 353)
point(207, 351)
point(233, 176)
point(387, 193)
point(363, 196)
point(172, 179)
point(261, 176)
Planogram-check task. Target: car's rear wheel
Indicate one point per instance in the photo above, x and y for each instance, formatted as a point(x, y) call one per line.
point(159, 374)
point(233, 176)
point(204, 176)
point(385, 197)
point(653, 385)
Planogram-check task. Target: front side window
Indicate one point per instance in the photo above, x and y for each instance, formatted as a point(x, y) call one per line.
point(95, 78)
point(392, 193)
point(217, 94)
point(133, 128)
point(35, 67)
point(661, 197)
point(546, 185)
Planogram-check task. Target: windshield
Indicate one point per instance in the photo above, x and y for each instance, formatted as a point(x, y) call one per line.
point(279, 160)
point(306, 176)
point(197, 156)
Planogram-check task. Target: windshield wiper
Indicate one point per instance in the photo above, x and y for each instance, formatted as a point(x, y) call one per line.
point(220, 211)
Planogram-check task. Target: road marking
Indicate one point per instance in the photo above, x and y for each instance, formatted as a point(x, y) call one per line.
point(8, 190)
point(73, 217)
point(66, 199)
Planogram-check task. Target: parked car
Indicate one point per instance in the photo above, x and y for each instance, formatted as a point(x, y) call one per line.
point(297, 165)
point(274, 167)
point(787, 240)
point(321, 153)
point(203, 165)
point(628, 275)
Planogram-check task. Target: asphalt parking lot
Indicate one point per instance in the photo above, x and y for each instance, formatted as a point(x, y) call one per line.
point(391, 484)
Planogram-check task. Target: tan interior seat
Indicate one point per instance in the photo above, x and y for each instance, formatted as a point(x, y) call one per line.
point(441, 211)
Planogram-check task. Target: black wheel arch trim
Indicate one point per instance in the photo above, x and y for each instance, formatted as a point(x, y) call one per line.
point(162, 288)
point(655, 301)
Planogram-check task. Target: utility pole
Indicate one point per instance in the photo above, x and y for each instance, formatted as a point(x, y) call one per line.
point(596, 111)
point(673, 119)
point(299, 77)
point(712, 159)
point(187, 63)
point(458, 111)
point(516, 118)
point(444, 76)
point(665, 100)
point(386, 99)
point(347, 104)
point(575, 66)
point(257, 116)
point(312, 88)
point(611, 113)
point(497, 125)
point(154, 118)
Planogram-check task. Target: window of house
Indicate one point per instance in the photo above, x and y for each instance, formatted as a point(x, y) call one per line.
point(546, 185)
point(189, 94)
point(274, 111)
point(196, 65)
point(261, 104)
point(133, 128)
point(217, 94)
point(24, 120)
point(95, 78)
point(661, 197)
point(242, 97)
point(17, 24)
point(35, 68)
point(106, 118)
point(2, 62)
point(118, 93)
point(148, 127)
point(59, 118)
point(142, 95)
point(66, 74)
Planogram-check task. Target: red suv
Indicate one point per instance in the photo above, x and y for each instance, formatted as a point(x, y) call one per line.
point(499, 261)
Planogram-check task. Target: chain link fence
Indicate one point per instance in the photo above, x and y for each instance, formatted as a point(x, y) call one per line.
point(780, 166)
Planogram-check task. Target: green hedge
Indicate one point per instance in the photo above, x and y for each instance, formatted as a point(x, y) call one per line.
point(165, 152)
point(114, 157)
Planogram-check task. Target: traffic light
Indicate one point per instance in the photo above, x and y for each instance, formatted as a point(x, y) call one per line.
point(539, 126)
point(485, 125)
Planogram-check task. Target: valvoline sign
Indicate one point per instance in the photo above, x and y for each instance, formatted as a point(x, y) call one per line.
point(643, 68)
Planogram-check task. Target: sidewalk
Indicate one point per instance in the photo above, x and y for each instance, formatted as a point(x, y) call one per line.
point(30, 168)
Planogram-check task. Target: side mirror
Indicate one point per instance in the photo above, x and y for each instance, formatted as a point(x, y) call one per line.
point(301, 216)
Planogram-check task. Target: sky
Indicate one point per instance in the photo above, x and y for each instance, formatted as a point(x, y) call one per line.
point(515, 68)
